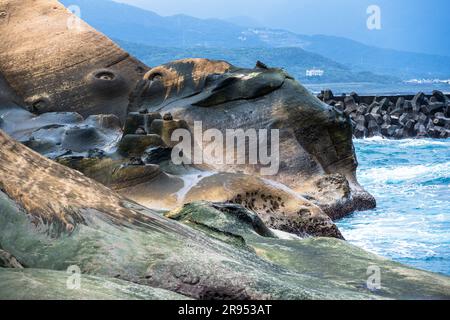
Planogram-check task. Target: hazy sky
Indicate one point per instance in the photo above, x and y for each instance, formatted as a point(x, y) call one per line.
point(413, 25)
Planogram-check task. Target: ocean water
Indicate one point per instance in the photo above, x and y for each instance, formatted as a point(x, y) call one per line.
point(411, 181)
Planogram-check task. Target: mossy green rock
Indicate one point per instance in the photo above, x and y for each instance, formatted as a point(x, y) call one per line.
point(334, 264)
point(35, 284)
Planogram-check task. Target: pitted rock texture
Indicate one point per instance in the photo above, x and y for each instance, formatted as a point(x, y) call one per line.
point(72, 68)
point(315, 138)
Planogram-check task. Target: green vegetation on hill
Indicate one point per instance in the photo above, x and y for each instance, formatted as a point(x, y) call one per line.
point(294, 60)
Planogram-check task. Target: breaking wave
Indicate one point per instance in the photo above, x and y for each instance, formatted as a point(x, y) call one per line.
point(411, 181)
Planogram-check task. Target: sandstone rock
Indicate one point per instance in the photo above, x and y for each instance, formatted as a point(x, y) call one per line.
point(101, 74)
point(277, 208)
point(226, 106)
point(136, 120)
point(205, 262)
point(134, 145)
point(165, 129)
point(8, 261)
point(42, 284)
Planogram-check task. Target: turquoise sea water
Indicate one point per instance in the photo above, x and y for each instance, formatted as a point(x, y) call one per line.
point(411, 181)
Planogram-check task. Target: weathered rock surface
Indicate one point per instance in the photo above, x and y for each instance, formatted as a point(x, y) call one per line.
point(40, 284)
point(61, 219)
point(8, 261)
point(126, 165)
point(315, 139)
point(53, 217)
point(73, 68)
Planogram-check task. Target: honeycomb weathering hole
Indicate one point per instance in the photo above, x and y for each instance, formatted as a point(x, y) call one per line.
point(105, 75)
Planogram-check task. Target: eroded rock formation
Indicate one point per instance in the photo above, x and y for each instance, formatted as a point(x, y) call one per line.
point(225, 251)
point(56, 62)
point(315, 139)
point(100, 189)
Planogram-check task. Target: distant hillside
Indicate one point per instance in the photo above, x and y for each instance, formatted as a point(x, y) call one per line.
point(130, 23)
point(358, 56)
point(136, 25)
point(295, 60)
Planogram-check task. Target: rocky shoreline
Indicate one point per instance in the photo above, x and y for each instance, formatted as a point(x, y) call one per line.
point(394, 117)
point(86, 179)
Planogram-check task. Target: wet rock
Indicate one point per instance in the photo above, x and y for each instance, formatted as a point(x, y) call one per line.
point(157, 155)
point(388, 130)
point(81, 139)
point(140, 131)
point(136, 120)
point(421, 130)
point(133, 145)
point(165, 129)
point(104, 121)
point(42, 284)
point(168, 117)
point(373, 128)
point(409, 128)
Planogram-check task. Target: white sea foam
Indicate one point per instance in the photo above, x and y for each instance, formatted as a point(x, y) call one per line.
point(404, 173)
